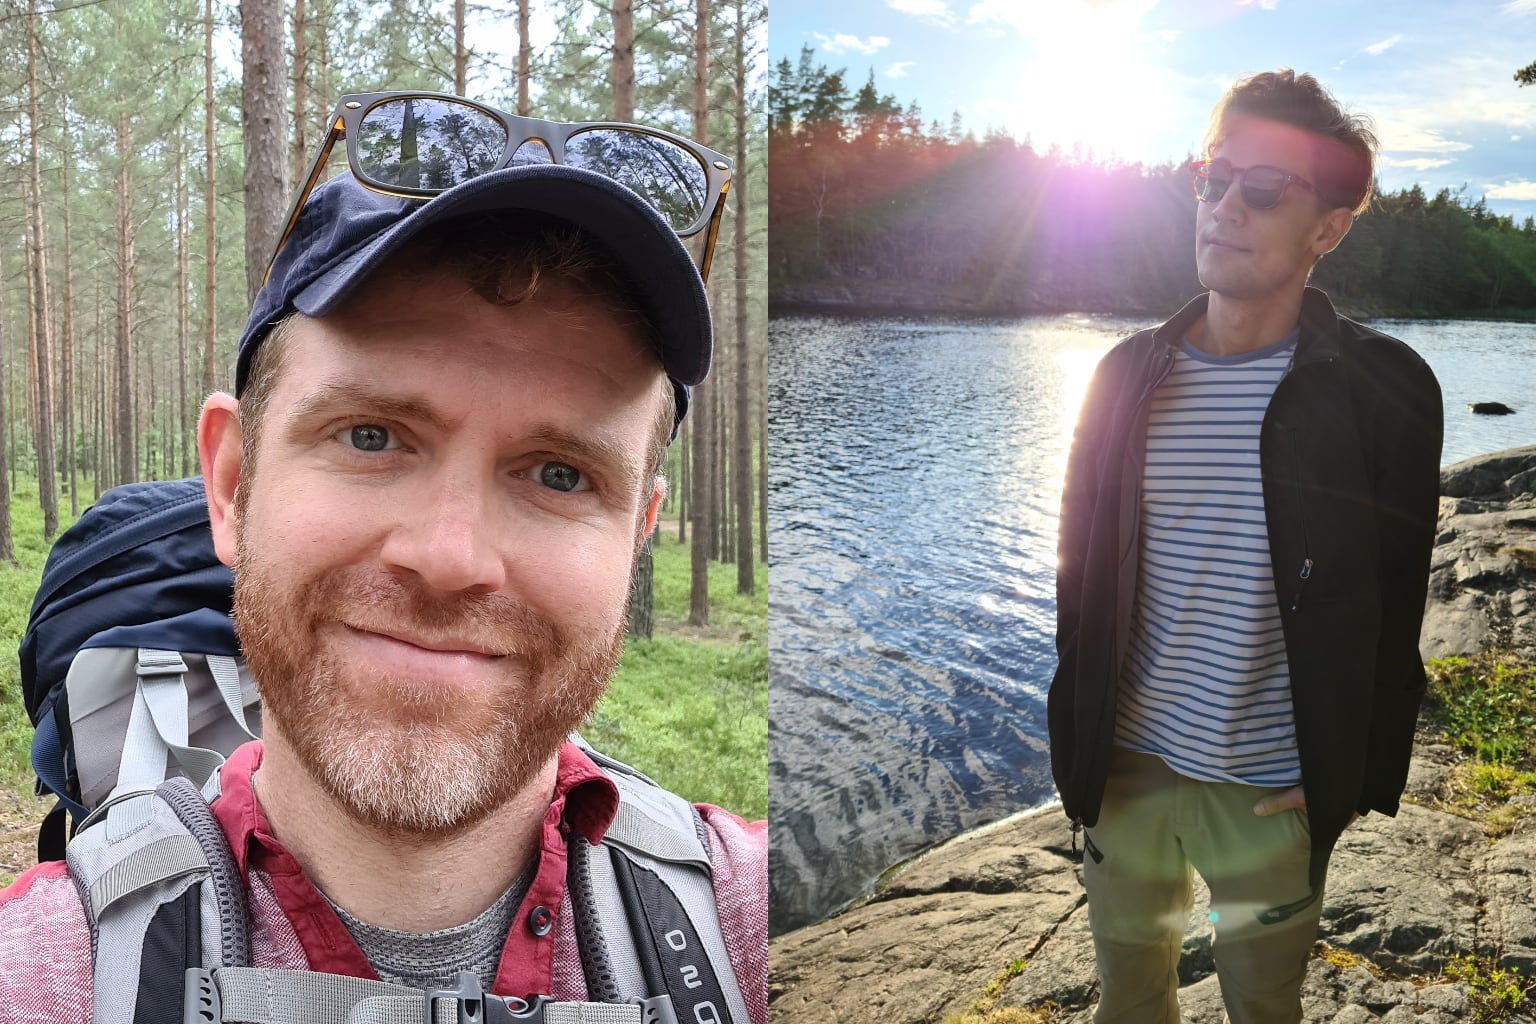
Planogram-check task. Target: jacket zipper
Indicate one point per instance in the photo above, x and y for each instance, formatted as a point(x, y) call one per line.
point(1306, 546)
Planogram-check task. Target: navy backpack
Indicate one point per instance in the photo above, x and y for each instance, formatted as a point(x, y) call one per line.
point(129, 666)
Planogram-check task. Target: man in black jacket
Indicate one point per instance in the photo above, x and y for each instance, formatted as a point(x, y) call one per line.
point(1246, 526)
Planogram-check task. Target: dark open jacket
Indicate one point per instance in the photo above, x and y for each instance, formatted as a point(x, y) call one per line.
point(1349, 452)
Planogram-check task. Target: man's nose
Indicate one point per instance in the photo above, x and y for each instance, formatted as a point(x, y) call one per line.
point(1231, 206)
point(448, 539)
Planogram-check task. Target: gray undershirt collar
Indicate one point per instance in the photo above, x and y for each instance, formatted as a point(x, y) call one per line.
point(433, 959)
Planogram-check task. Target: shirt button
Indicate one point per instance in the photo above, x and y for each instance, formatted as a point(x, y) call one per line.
point(540, 921)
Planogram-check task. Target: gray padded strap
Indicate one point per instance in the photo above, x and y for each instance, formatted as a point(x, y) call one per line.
point(253, 996)
point(160, 861)
point(592, 1013)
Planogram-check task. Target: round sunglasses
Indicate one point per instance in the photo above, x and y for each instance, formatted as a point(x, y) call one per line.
point(1262, 187)
point(415, 145)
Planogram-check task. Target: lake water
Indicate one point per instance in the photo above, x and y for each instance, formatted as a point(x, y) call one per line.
point(914, 483)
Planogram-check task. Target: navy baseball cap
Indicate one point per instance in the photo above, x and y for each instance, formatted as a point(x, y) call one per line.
point(346, 231)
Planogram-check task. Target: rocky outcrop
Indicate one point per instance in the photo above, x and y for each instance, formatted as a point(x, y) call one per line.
point(1483, 572)
point(1404, 894)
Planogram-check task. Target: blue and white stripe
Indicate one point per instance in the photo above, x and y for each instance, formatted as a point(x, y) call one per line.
point(1205, 684)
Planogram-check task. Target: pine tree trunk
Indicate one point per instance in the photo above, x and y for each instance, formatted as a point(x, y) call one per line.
point(623, 60)
point(67, 345)
point(717, 467)
point(300, 148)
point(182, 434)
point(210, 240)
point(7, 551)
point(698, 484)
point(460, 56)
point(683, 441)
point(126, 439)
point(524, 57)
point(762, 453)
point(741, 467)
point(262, 86)
point(47, 478)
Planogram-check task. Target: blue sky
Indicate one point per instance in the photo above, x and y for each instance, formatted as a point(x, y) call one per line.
point(1136, 79)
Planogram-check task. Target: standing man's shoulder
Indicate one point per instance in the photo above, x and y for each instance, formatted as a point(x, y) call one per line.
point(1386, 362)
point(45, 948)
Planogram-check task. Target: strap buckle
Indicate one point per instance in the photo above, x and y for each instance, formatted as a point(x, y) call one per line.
point(200, 1002)
point(475, 1007)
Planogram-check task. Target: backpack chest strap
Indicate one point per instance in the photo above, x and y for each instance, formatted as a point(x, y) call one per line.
point(248, 995)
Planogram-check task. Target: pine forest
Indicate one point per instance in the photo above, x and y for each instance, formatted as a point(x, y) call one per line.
point(150, 148)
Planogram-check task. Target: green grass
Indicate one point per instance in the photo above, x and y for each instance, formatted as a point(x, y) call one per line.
point(17, 585)
point(1494, 992)
point(1486, 707)
point(730, 613)
point(689, 707)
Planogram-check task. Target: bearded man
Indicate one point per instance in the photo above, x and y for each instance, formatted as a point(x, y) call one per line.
point(455, 393)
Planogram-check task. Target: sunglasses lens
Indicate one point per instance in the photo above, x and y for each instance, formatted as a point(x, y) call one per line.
point(664, 174)
point(427, 143)
point(1211, 184)
point(1263, 187)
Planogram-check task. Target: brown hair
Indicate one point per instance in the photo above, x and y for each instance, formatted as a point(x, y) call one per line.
point(506, 261)
point(1345, 153)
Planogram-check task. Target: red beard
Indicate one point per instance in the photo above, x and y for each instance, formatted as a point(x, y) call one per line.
point(413, 756)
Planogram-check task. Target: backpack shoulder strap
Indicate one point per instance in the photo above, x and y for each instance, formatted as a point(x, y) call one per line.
point(652, 872)
point(159, 898)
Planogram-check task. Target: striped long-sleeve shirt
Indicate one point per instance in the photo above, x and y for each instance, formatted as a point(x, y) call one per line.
point(1205, 684)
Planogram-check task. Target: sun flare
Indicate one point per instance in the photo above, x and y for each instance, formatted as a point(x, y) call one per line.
point(1091, 80)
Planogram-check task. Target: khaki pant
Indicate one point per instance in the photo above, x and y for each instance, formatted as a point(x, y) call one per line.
point(1154, 824)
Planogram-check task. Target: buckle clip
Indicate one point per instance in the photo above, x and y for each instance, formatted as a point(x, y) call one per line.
point(476, 1007)
point(200, 1003)
point(468, 993)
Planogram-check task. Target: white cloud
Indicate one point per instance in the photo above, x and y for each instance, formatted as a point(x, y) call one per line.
point(842, 42)
point(1519, 7)
point(936, 11)
point(898, 69)
point(1514, 138)
point(1403, 136)
point(1100, 20)
point(1519, 190)
point(1420, 163)
point(1263, 5)
point(1377, 49)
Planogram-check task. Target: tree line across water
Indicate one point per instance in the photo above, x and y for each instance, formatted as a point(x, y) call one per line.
point(149, 150)
point(870, 207)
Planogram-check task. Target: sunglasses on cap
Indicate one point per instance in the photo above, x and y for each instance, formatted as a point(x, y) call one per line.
point(415, 145)
point(1262, 187)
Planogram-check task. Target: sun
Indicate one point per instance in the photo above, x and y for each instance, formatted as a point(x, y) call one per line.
point(1090, 80)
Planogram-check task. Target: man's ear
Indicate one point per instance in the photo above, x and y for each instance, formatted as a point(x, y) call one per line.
point(1331, 229)
point(221, 453)
point(653, 509)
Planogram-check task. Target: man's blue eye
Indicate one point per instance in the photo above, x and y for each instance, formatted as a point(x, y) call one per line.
point(559, 476)
point(369, 438)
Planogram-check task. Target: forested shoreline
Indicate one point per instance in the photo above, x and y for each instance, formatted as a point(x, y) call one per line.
point(872, 210)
